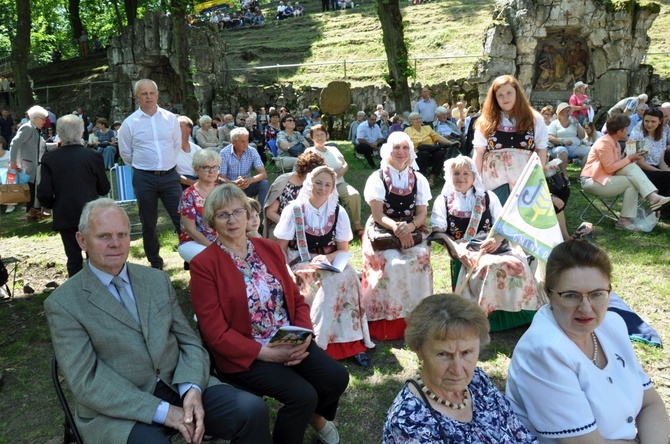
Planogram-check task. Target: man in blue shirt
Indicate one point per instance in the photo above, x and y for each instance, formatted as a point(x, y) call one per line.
point(369, 138)
point(426, 107)
point(236, 164)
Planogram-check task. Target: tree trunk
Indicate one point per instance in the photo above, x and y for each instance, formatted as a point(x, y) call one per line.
point(20, 55)
point(117, 13)
point(131, 11)
point(179, 27)
point(75, 20)
point(396, 52)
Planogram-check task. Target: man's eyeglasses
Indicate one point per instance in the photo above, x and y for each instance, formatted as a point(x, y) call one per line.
point(225, 216)
point(210, 168)
point(574, 299)
point(289, 120)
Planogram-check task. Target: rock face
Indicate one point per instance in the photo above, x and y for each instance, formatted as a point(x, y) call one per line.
point(146, 50)
point(612, 33)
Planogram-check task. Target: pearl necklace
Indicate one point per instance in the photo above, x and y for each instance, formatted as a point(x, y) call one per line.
point(439, 400)
point(595, 348)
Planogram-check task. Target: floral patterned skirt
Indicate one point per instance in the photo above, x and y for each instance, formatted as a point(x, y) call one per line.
point(395, 281)
point(503, 166)
point(336, 310)
point(503, 282)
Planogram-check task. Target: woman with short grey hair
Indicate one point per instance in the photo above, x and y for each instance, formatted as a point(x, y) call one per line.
point(207, 137)
point(195, 233)
point(26, 151)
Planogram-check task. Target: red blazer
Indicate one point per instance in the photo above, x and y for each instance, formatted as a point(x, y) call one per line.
point(219, 299)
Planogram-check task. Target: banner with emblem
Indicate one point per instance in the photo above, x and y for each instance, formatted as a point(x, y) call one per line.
point(528, 217)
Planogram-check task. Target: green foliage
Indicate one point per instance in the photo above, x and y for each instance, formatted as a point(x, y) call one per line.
point(51, 27)
point(630, 5)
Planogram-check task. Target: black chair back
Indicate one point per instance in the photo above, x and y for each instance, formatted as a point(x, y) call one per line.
point(70, 432)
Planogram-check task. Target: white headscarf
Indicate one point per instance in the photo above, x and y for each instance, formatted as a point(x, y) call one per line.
point(448, 187)
point(394, 139)
point(306, 190)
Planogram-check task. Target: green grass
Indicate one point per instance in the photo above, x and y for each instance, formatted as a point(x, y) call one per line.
point(660, 41)
point(432, 29)
point(31, 412)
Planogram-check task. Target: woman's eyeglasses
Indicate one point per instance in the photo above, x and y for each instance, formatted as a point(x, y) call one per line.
point(225, 216)
point(574, 299)
point(210, 168)
point(289, 120)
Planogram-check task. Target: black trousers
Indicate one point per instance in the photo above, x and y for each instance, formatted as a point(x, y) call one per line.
point(230, 414)
point(313, 386)
point(366, 150)
point(430, 156)
point(148, 189)
point(325, 5)
point(72, 251)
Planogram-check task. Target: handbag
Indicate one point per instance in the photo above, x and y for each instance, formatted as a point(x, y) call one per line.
point(383, 239)
point(476, 243)
point(14, 192)
point(557, 183)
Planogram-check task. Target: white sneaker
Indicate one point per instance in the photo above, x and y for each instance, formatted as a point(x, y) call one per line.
point(10, 208)
point(329, 434)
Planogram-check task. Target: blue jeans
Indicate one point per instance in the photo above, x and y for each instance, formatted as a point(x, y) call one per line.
point(258, 190)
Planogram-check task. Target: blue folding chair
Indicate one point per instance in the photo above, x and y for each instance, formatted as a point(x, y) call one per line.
point(124, 193)
point(278, 161)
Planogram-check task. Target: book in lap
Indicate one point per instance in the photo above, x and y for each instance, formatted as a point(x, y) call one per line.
point(290, 335)
point(341, 261)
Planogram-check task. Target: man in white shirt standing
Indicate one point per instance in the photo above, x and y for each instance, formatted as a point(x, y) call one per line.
point(149, 141)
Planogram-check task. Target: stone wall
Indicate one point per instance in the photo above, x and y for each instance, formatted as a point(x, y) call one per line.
point(615, 33)
point(146, 50)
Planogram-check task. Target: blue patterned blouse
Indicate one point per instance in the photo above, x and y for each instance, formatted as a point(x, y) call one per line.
point(493, 421)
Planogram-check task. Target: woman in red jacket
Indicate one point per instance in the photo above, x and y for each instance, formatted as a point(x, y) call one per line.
point(242, 294)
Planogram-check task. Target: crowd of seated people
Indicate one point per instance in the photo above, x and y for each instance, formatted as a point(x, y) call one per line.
point(287, 10)
point(315, 213)
point(249, 14)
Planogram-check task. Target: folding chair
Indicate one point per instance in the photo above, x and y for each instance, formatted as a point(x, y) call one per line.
point(124, 193)
point(361, 158)
point(604, 206)
point(278, 161)
point(70, 432)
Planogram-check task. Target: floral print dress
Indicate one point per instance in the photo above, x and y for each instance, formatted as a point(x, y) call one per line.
point(507, 151)
point(500, 281)
point(336, 309)
point(394, 281)
point(409, 420)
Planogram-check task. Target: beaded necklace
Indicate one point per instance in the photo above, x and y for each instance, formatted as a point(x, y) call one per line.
point(594, 359)
point(439, 400)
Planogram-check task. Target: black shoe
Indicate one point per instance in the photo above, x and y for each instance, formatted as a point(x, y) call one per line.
point(362, 359)
point(157, 266)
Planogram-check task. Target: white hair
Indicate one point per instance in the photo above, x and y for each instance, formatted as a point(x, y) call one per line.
point(37, 111)
point(237, 132)
point(94, 206)
point(70, 129)
point(204, 119)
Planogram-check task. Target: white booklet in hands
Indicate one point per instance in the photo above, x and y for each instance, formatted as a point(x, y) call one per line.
point(341, 261)
point(290, 335)
point(637, 146)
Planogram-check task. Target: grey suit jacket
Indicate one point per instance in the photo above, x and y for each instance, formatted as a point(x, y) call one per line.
point(27, 149)
point(109, 362)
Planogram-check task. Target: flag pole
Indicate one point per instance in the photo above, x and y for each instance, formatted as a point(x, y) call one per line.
point(461, 287)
